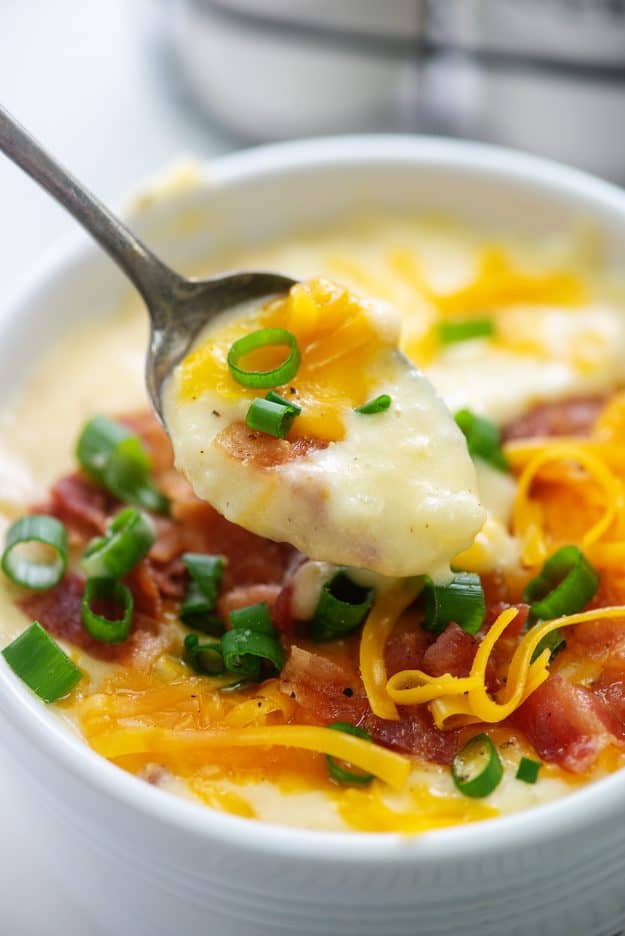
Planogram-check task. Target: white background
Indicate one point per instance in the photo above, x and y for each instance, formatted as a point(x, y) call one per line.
point(89, 78)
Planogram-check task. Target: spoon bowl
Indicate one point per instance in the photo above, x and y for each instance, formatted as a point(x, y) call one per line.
point(179, 308)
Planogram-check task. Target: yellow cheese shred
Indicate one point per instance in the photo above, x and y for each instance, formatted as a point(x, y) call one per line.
point(375, 633)
point(458, 701)
point(132, 738)
point(527, 516)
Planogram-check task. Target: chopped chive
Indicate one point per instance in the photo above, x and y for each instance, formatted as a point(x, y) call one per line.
point(461, 600)
point(118, 460)
point(379, 404)
point(264, 338)
point(275, 419)
point(477, 769)
point(204, 657)
point(115, 597)
point(565, 585)
point(465, 330)
point(340, 774)
point(39, 662)
point(528, 769)
point(483, 438)
point(255, 617)
point(36, 574)
point(342, 607)
point(244, 651)
point(276, 398)
point(202, 592)
point(128, 539)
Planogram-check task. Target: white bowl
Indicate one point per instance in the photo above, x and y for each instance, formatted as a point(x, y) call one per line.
point(147, 863)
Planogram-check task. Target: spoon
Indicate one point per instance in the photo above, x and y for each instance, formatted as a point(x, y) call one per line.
point(178, 307)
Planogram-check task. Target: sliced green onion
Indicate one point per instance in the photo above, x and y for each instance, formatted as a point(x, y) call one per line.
point(117, 460)
point(275, 419)
point(339, 773)
point(342, 607)
point(477, 769)
point(128, 539)
point(115, 595)
point(202, 592)
point(483, 438)
point(264, 338)
point(39, 662)
point(255, 617)
point(30, 572)
point(462, 601)
point(379, 404)
point(244, 650)
point(554, 642)
point(528, 770)
point(565, 585)
point(454, 332)
point(274, 397)
point(204, 657)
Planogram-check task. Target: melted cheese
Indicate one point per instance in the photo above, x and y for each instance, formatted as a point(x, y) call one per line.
point(394, 492)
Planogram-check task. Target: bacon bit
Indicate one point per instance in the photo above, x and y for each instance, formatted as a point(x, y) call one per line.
point(452, 652)
point(405, 650)
point(610, 688)
point(244, 595)
point(317, 684)
point(251, 559)
point(281, 613)
point(81, 504)
point(514, 628)
point(567, 725)
point(171, 578)
point(169, 543)
point(145, 591)
point(573, 417)
point(414, 733)
point(262, 450)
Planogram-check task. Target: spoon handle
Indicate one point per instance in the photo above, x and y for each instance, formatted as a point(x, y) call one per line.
point(156, 282)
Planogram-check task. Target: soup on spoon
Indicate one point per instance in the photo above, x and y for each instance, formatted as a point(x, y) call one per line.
point(300, 420)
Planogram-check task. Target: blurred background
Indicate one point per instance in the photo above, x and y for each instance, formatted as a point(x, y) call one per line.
point(119, 88)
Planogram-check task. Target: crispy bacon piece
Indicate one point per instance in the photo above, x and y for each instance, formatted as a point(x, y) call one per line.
point(145, 590)
point(325, 690)
point(251, 559)
point(405, 650)
point(262, 450)
point(452, 652)
point(81, 504)
point(573, 417)
point(58, 610)
point(145, 425)
point(567, 724)
point(414, 733)
point(244, 595)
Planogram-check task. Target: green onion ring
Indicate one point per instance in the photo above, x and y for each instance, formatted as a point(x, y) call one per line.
point(104, 629)
point(200, 599)
point(36, 575)
point(462, 601)
point(264, 338)
point(477, 769)
point(338, 773)
point(274, 419)
point(465, 330)
point(39, 662)
point(565, 585)
point(254, 617)
point(128, 539)
point(243, 651)
point(205, 658)
point(342, 607)
point(483, 439)
point(118, 460)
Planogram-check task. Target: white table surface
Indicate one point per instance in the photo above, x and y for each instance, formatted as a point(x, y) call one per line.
point(87, 78)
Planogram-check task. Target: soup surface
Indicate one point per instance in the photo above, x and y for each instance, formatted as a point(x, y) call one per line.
point(528, 341)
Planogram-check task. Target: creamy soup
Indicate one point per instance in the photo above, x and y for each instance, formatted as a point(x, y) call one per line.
point(529, 338)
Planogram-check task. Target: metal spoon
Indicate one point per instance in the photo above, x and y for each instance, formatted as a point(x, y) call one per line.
point(178, 307)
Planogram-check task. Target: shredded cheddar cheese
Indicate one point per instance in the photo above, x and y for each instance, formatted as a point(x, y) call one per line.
point(132, 738)
point(375, 633)
point(458, 701)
